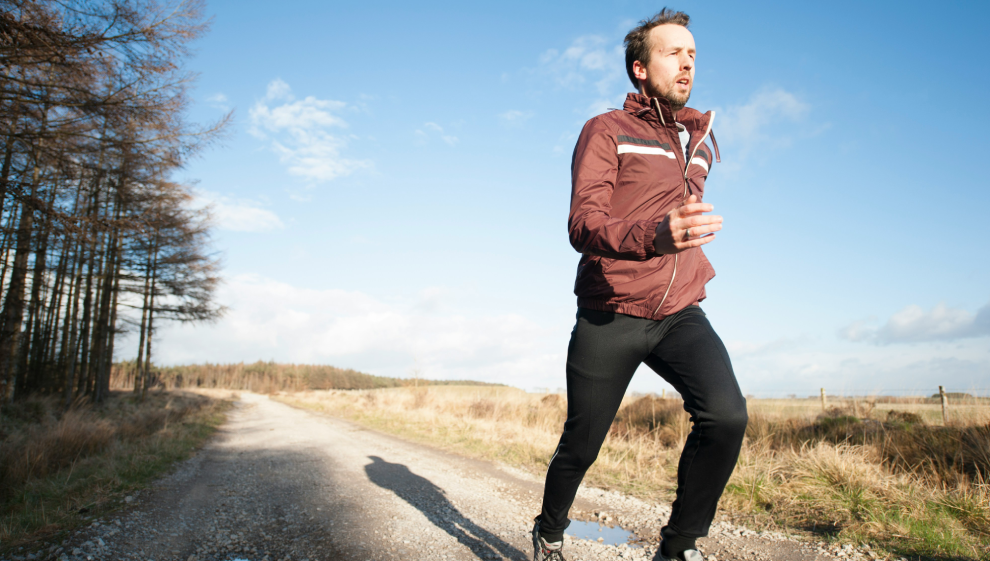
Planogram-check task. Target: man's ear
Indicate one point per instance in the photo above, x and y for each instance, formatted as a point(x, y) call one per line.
point(639, 70)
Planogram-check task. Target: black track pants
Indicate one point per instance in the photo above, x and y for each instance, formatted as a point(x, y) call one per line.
point(605, 350)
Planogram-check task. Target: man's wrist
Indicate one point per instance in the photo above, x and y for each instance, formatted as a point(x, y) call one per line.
point(658, 232)
point(650, 241)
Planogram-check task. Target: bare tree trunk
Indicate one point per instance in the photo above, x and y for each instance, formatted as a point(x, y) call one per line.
point(69, 353)
point(21, 375)
point(103, 330)
point(138, 366)
point(5, 248)
point(112, 332)
point(87, 307)
point(8, 155)
point(26, 381)
point(46, 353)
point(151, 319)
point(13, 309)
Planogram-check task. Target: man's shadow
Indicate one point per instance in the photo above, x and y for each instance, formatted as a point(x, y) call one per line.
point(433, 503)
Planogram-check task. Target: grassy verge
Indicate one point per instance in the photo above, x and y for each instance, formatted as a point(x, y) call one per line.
point(885, 478)
point(59, 470)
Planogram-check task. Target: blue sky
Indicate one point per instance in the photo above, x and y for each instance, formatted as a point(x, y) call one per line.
point(393, 193)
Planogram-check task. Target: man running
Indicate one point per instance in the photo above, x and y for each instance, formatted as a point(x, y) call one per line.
point(638, 178)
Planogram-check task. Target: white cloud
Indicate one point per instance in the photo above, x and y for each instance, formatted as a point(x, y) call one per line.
point(299, 132)
point(239, 215)
point(755, 125)
point(591, 63)
point(278, 89)
point(219, 101)
point(589, 59)
point(514, 117)
point(434, 128)
point(565, 144)
point(803, 365)
point(269, 319)
point(914, 325)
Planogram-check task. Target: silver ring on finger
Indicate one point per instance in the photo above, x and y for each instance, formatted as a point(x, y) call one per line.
point(687, 234)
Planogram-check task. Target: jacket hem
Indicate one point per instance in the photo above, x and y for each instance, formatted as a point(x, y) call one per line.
point(627, 309)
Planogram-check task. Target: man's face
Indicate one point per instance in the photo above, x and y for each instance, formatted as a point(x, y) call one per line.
point(670, 72)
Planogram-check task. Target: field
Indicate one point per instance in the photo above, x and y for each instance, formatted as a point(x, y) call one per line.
point(883, 472)
point(61, 468)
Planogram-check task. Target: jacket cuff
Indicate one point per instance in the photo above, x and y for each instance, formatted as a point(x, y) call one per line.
point(648, 237)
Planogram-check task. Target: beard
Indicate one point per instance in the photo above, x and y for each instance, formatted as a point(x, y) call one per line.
point(666, 91)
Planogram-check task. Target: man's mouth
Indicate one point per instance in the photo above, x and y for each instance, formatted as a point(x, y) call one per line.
point(684, 82)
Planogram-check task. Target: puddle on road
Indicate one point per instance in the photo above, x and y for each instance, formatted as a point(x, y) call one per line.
point(593, 530)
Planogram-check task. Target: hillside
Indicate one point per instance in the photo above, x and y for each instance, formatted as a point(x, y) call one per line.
point(268, 377)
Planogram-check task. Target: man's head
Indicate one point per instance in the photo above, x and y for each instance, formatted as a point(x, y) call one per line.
point(660, 57)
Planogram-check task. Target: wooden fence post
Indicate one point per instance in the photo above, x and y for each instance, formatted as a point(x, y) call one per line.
point(945, 405)
point(823, 399)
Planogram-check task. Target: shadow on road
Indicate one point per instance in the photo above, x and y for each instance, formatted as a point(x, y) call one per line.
point(431, 501)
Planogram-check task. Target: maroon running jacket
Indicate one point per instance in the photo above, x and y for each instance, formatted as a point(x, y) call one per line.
point(628, 172)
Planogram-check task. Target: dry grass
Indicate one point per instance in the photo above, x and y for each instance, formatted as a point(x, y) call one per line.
point(863, 471)
point(59, 468)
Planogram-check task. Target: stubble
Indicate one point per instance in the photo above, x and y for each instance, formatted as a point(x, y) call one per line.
point(667, 91)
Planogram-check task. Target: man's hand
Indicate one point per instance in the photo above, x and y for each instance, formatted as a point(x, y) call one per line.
point(686, 227)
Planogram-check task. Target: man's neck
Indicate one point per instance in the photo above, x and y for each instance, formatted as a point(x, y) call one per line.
point(642, 91)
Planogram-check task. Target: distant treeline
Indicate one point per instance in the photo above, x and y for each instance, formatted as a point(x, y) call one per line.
point(269, 377)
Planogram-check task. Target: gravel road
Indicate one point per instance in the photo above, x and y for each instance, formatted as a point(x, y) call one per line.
point(279, 483)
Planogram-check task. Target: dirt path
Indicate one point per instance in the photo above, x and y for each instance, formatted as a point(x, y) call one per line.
point(281, 483)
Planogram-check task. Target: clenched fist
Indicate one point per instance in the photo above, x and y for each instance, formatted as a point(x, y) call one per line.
point(686, 227)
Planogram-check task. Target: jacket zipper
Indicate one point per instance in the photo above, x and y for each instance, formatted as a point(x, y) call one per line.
point(687, 164)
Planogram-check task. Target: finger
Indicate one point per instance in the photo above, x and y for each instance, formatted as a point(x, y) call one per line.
point(694, 208)
point(694, 242)
point(696, 220)
point(690, 200)
point(698, 231)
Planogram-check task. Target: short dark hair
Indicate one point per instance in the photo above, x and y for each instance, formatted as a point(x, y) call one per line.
point(638, 40)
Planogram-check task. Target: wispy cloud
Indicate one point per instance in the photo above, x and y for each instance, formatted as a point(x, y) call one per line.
point(756, 125)
point(432, 129)
point(590, 62)
point(514, 117)
point(219, 101)
point(913, 325)
point(238, 215)
point(299, 132)
point(803, 364)
point(565, 143)
point(589, 59)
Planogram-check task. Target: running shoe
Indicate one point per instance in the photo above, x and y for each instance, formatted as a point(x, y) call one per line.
point(544, 550)
point(686, 555)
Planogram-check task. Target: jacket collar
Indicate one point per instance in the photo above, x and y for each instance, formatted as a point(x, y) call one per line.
point(644, 108)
